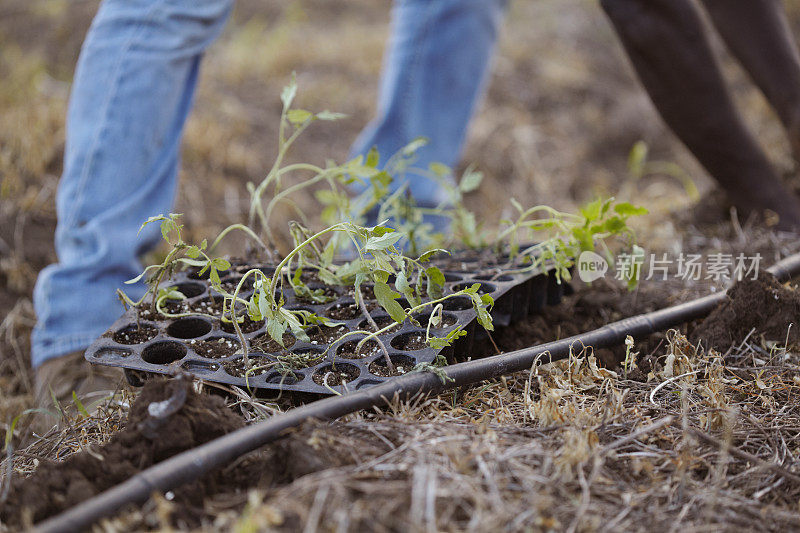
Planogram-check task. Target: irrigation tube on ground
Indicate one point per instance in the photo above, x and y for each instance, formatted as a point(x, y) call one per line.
point(192, 464)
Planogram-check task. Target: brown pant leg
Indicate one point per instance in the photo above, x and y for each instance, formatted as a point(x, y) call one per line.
point(668, 47)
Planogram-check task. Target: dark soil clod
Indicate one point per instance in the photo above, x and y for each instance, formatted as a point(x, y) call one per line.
point(763, 304)
point(55, 487)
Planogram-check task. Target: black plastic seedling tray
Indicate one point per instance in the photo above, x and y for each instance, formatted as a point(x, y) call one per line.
point(208, 348)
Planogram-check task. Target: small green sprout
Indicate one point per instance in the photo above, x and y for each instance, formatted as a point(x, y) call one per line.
point(630, 356)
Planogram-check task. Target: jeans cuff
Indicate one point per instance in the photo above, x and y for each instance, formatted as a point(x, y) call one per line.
point(43, 351)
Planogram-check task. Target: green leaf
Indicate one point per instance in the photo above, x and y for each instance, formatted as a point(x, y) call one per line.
point(437, 343)
point(253, 310)
point(637, 255)
point(412, 147)
point(473, 289)
point(193, 252)
point(298, 116)
point(221, 264)
point(329, 278)
point(606, 206)
point(591, 211)
point(289, 92)
point(637, 159)
point(314, 319)
point(584, 237)
point(380, 229)
point(297, 278)
point(143, 274)
point(470, 181)
point(213, 276)
point(626, 209)
point(81, 409)
point(382, 179)
point(440, 169)
point(614, 225)
point(373, 157)
point(427, 255)
point(363, 171)
point(275, 328)
point(166, 226)
point(383, 242)
point(16, 419)
point(435, 317)
point(294, 324)
point(436, 280)
point(378, 275)
point(330, 115)
point(170, 294)
point(154, 219)
point(326, 196)
point(401, 283)
point(484, 318)
point(468, 224)
point(387, 299)
point(481, 303)
point(264, 308)
point(193, 262)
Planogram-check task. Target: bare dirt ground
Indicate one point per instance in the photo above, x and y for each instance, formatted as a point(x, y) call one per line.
point(570, 447)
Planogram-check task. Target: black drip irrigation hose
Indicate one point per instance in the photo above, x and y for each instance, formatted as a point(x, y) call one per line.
point(190, 465)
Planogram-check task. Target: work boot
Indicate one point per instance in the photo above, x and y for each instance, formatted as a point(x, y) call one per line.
point(60, 376)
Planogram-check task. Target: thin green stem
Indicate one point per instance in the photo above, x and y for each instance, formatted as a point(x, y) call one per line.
point(342, 226)
point(291, 190)
point(232, 227)
point(160, 277)
point(273, 175)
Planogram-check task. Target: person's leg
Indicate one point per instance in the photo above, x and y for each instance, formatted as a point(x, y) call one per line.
point(667, 45)
point(758, 34)
point(435, 68)
point(132, 91)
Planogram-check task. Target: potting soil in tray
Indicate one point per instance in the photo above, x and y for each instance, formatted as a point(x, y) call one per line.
point(210, 349)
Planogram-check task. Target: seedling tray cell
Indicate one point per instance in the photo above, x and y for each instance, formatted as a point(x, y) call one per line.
point(209, 349)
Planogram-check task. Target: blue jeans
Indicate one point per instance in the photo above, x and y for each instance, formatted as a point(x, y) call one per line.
point(132, 91)
point(434, 72)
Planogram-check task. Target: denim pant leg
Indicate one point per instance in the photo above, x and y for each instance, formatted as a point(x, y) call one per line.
point(434, 72)
point(131, 94)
